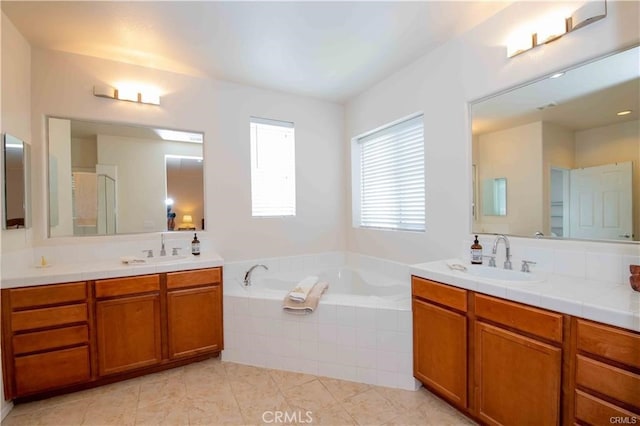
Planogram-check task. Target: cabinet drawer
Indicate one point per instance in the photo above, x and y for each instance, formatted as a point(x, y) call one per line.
point(50, 339)
point(595, 411)
point(524, 318)
point(443, 294)
point(125, 286)
point(615, 382)
point(48, 295)
point(48, 317)
point(608, 342)
point(193, 278)
point(50, 370)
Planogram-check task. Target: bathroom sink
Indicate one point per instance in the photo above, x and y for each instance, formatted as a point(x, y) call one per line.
point(495, 274)
point(499, 274)
point(152, 260)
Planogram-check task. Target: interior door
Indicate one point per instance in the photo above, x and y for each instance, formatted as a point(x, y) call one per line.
point(600, 202)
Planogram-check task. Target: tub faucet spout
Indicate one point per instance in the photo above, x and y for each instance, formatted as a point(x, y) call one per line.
point(247, 276)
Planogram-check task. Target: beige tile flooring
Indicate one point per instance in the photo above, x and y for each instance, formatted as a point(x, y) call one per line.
point(213, 392)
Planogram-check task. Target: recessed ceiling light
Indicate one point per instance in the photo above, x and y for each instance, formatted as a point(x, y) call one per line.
point(625, 112)
point(556, 75)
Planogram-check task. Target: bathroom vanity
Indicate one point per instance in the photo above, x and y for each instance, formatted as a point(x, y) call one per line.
point(66, 336)
point(504, 362)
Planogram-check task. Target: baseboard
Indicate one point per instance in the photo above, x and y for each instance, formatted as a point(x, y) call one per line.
point(7, 406)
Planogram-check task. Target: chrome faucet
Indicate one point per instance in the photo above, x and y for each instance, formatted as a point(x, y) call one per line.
point(247, 276)
point(507, 261)
point(163, 252)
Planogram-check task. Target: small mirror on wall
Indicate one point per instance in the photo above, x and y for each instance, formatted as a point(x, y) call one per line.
point(494, 197)
point(16, 183)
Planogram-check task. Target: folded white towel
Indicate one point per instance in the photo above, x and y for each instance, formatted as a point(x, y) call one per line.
point(301, 291)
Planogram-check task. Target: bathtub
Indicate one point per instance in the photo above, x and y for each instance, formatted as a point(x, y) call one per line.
point(347, 285)
point(360, 331)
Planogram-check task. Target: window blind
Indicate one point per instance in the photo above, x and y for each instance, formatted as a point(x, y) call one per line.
point(273, 183)
point(392, 177)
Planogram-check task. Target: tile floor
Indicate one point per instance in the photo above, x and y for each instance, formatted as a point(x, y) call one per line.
point(213, 392)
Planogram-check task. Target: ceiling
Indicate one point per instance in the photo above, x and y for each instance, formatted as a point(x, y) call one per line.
point(328, 50)
point(585, 97)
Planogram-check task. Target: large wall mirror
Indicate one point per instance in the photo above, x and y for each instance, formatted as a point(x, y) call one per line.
point(108, 178)
point(17, 174)
point(569, 148)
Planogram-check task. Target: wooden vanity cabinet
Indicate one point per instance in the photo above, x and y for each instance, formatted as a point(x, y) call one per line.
point(607, 373)
point(194, 312)
point(45, 343)
point(63, 337)
point(518, 363)
point(128, 324)
point(440, 339)
point(498, 361)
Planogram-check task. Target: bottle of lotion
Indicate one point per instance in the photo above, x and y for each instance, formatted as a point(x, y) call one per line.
point(195, 245)
point(476, 252)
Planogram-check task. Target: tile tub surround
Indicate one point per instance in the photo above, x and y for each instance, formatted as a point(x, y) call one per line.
point(369, 343)
point(613, 303)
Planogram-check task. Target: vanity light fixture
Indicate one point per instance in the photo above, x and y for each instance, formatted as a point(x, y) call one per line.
point(518, 43)
point(554, 27)
point(127, 93)
point(625, 112)
point(549, 30)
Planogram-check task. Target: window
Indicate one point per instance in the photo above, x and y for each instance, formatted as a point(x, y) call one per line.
point(273, 166)
point(388, 177)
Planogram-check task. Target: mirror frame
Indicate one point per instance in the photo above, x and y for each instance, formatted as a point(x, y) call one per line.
point(473, 181)
point(115, 123)
point(26, 190)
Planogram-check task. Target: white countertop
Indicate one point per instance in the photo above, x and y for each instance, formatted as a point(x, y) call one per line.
point(610, 303)
point(112, 268)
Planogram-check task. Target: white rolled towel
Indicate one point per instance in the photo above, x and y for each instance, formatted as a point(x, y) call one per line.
point(302, 289)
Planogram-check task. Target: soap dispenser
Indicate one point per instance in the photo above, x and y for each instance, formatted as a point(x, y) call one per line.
point(195, 245)
point(476, 252)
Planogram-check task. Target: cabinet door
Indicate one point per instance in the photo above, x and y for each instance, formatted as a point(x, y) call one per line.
point(517, 378)
point(50, 370)
point(128, 332)
point(195, 321)
point(440, 350)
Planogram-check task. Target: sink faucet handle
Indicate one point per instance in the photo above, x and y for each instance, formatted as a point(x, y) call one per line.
point(174, 251)
point(492, 260)
point(525, 265)
point(149, 252)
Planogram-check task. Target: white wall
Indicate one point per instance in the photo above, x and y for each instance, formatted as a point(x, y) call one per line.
point(514, 154)
point(62, 86)
point(15, 107)
point(558, 146)
point(61, 204)
point(615, 143)
point(441, 84)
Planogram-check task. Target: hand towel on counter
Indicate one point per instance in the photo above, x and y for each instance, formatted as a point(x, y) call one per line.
point(311, 302)
point(301, 291)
